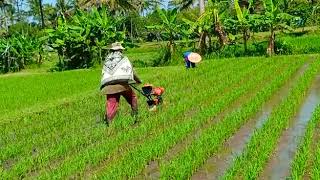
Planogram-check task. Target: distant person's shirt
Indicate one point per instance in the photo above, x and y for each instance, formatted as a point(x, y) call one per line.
point(186, 54)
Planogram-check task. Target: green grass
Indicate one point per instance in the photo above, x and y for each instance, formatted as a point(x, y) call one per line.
point(51, 123)
point(306, 44)
point(143, 59)
point(22, 92)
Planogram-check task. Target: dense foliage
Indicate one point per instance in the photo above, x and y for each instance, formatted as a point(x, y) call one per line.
point(19, 51)
point(80, 32)
point(84, 38)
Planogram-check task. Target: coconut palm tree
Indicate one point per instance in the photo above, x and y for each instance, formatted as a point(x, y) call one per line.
point(41, 13)
point(213, 10)
point(6, 13)
point(36, 9)
point(184, 4)
point(122, 5)
point(115, 6)
point(142, 5)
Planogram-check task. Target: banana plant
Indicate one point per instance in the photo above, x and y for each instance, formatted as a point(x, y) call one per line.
point(210, 22)
point(169, 28)
point(79, 40)
point(115, 7)
point(16, 52)
point(243, 23)
point(275, 19)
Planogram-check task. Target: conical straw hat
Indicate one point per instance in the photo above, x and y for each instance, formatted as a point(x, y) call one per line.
point(194, 57)
point(117, 46)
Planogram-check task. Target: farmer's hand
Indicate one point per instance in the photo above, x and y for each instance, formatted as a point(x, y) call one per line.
point(139, 81)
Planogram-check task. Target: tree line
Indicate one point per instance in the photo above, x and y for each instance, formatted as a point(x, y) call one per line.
point(80, 30)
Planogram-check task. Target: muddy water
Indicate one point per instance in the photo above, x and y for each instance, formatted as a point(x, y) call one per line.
point(217, 165)
point(279, 165)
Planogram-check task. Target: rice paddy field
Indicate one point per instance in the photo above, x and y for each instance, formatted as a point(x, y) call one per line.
point(244, 118)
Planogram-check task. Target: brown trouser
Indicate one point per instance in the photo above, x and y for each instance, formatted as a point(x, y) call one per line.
point(113, 102)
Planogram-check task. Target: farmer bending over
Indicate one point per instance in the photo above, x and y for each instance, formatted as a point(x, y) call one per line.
point(191, 59)
point(117, 73)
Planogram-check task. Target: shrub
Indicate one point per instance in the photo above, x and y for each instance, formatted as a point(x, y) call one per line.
point(17, 52)
point(83, 39)
point(282, 47)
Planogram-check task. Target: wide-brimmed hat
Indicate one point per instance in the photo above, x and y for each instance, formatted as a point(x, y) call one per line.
point(194, 57)
point(117, 46)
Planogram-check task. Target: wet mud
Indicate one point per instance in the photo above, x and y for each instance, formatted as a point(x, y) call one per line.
point(217, 165)
point(278, 166)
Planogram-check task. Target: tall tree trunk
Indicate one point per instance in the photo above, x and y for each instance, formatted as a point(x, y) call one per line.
point(63, 9)
point(131, 28)
point(39, 59)
point(171, 50)
point(245, 39)
point(270, 49)
point(201, 6)
point(18, 10)
point(202, 42)
point(41, 13)
point(223, 39)
point(6, 21)
point(209, 43)
point(203, 35)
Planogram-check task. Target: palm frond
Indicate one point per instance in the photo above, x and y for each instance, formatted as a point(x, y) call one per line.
point(181, 4)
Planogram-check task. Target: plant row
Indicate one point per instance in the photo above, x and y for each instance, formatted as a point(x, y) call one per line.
point(131, 163)
point(67, 140)
point(251, 162)
point(44, 128)
point(97, 152)
point(306, 155)
point(208, 143)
